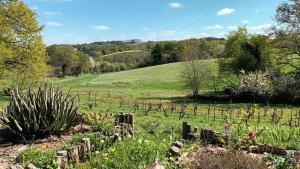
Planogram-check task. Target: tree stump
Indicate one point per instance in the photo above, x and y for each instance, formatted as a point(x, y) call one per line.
point(73, 154)
point(82, 152)
point(64, 158)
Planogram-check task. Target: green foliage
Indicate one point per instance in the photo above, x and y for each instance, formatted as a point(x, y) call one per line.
point(286, 33)
point(22, 52)
point(62, 56)
point(132, 153)
point(42, 113)
point(100, 122)
point(41, 158)
point(245, 52)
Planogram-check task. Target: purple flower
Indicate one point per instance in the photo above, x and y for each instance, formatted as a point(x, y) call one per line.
point(252, 134)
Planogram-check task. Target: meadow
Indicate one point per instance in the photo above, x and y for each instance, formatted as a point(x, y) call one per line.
point(147, 88)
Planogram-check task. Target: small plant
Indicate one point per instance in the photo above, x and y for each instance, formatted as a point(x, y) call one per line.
point(41, 158)
point(42, 113)
point(100, 122)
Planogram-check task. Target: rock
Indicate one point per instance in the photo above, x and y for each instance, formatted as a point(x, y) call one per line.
point(16, 166)
point(178, 144)
point(156, 165)
point(31, 166)
point(175, 151)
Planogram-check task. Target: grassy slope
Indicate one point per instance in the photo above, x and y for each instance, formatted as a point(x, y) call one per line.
point(155, 81)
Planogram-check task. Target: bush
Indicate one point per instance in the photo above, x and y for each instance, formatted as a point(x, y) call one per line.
point(286, 88)
point(255, 85)
point(227, 160)
point(40, 158)
point(41, 113)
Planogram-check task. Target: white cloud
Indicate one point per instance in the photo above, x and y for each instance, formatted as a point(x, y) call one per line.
point(245, 21)
point(167, 33)
point(53, 24)
point(175, 5)
point(232, 27)
point(52, 13)
point(214, 27)
point(259, 27)
point(101, 28)
point(225, 11)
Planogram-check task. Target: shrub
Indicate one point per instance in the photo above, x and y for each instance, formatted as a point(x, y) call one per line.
point(255, 85)
point(100, 122)
point(227, 160)
point(38, 114)
point(40, 158)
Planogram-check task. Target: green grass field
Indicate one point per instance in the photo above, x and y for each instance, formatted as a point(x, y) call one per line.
point(156, 81)
point(155, 131)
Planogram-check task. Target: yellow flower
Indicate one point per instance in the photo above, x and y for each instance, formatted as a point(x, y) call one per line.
point(105, 158)
point(112, 150)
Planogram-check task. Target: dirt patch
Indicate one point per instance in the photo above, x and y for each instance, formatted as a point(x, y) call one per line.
point(11, 145)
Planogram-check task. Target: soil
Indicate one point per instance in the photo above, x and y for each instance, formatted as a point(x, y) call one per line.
point(11, 145)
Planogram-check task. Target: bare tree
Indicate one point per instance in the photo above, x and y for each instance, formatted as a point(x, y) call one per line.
point(195, 70)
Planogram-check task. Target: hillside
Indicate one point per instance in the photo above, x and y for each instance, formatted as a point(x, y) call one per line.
point(161, 78)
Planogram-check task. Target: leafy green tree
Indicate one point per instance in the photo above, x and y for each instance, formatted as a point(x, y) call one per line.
point(84, 64)
point(63, 56)
point(286, 33)
point(22, 52)
point(245, 52)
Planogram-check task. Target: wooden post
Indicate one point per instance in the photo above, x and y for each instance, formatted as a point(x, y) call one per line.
point(184, 130)
point(121, 118)
point(87, 143)
point(82, 152)
point(189, 130)
point(59, 160)
point(64, 158)
point(130, 120)
point(73, 154)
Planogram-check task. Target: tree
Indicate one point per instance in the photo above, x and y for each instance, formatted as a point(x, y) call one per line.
point(22, 52)
point(245, 52)
point(286, 32)
point(84, 64)
point(63, 56)
point(195, 70)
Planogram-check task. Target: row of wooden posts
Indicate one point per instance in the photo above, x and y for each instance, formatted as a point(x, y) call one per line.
point(210, 136)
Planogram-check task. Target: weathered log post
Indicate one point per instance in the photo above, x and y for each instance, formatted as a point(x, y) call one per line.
point(82, 152)
point(63, 158)
point(87, 142)
point(184, 130)
point(73, 154)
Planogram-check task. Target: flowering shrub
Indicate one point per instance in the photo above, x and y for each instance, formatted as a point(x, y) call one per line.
point(255, 84)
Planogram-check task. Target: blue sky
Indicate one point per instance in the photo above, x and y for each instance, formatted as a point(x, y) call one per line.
point(84, 21)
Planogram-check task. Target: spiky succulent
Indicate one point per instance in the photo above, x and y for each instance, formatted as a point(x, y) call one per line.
point(40, 113)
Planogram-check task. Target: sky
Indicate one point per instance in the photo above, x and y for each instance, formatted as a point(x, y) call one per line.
point(85, 21)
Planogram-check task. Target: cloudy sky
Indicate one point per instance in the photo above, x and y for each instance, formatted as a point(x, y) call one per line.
point(83, 21)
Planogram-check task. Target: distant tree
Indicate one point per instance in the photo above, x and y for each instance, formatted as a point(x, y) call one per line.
point(22, 52)
point(63, 56)
point(157, 54)
point(195, 70)
point(245, 52)
point(286, 32)
point(84, 64)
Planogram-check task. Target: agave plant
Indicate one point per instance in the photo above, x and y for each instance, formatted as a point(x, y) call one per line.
point(40, 113)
